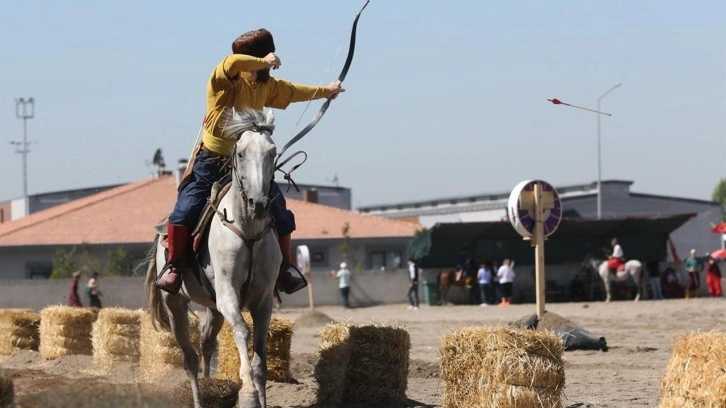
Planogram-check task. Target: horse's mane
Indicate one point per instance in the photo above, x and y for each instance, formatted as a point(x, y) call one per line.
point(234, 122)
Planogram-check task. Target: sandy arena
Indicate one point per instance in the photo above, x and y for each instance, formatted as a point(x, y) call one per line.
point(640, 337)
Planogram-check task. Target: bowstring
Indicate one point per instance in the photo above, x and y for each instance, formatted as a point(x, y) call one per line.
point(325, 74)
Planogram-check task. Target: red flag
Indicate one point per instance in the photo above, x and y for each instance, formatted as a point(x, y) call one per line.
point(719, 229)
point(672, 247)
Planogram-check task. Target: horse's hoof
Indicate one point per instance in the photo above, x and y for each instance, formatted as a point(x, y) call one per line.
point(248, 400)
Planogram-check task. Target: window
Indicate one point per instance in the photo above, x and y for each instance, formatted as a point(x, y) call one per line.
point(318, 257)
point(39, 270)
point(387, 259)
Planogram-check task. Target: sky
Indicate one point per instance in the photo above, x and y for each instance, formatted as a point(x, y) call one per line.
point(444, 98)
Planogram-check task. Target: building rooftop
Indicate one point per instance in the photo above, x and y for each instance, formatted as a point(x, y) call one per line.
point(128, 213)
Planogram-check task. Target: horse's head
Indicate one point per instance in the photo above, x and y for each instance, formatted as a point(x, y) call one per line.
point(588, 263)
point(253, 159)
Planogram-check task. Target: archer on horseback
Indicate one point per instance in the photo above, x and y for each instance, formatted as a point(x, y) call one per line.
point(617, 258)
point(242, 80)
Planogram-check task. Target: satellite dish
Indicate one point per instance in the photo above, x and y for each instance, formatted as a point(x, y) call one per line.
point(303, 259)
point(158, 160)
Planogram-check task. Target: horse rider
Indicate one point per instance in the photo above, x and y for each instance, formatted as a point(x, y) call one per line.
point(241, 80)
point(617, 258)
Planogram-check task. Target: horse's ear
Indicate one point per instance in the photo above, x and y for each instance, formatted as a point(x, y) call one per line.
point(270, 117)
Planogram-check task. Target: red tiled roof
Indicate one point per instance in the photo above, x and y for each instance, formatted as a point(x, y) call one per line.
point(128, 213)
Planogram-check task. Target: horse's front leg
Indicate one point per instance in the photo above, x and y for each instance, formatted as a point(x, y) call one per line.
point(261, 314)
point(638, 283)
point(228, 305)
point(606, 281)
point(176, 307)
point(213, 321)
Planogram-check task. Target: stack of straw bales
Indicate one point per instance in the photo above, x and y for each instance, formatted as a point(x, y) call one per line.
point(116, 336)
point(7, 395)
point(362, 364)
point(696, 374)
point(18, 330)
point(159, 352)
point(501, 367)
point(66, 330)
point(279, 341)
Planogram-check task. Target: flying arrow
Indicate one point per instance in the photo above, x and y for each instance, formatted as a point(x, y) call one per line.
point(559, 102)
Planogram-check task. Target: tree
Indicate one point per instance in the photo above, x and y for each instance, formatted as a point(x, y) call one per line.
point(347, 249)
point(719, 196)
point(83, 259)
point(118, 262)
point(64, 264)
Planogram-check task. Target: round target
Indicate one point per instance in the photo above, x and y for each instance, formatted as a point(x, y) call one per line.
point(520, 210)
point(303, 258)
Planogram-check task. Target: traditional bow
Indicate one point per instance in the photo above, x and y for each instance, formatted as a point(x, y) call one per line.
point(341, 77)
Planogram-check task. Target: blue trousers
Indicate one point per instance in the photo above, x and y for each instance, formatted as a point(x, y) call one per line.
point(192, 197)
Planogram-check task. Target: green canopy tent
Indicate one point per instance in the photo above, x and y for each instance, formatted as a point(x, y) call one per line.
point(643, 238)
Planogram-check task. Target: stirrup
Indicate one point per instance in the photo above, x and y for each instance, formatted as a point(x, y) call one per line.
point(173, 290)
point(301, 283)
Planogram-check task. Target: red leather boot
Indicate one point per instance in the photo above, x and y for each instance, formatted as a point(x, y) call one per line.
point(287, 281)
point(179, 237)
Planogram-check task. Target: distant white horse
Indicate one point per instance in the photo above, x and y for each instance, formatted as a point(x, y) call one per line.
point(241, 259)
point(633, 269)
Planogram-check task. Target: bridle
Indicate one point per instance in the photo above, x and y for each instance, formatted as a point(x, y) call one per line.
point(237, 179)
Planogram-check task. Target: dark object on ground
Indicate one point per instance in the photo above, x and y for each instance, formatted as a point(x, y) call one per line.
point(580, 339)
point(573, 337)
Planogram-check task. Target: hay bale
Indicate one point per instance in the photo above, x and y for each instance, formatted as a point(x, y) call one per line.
point(159, 352)
point(19, 330)
point(66, 330)
point(279, 341)
point(7, 395)
point(501, 367)
point(362, 364)
point(696, 373)
point(115, 336)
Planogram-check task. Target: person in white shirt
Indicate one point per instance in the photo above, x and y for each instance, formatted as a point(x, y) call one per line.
point(484, 277)
point(506, 278)
point(343, 276)
point(617, 258)
point(413, 275)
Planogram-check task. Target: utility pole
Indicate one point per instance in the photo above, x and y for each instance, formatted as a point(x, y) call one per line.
point(24, 109)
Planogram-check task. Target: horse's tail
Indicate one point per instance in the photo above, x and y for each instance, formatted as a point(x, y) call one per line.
point(153, 293)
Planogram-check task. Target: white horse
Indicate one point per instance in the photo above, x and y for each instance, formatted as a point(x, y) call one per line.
point(633, 269)
point(241, 259)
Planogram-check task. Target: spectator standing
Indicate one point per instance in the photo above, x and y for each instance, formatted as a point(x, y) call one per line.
point(343, 276)
point(93, 290)
point(693, 266)
point(713, 278)
point(654, 278)
point(671, 285)
point(73, 298)
point(506, 279)
point(484, 277)
point(413, 275)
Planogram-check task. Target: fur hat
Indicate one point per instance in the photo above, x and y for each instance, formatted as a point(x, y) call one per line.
point(257, 43)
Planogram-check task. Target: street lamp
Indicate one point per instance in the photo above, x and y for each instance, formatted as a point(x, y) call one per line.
point(24, 109)
point(599, 165)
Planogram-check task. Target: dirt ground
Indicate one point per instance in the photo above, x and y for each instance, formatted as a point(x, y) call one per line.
point(639, 335)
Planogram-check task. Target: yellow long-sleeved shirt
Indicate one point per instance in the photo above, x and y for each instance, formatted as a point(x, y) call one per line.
point(231, 86)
